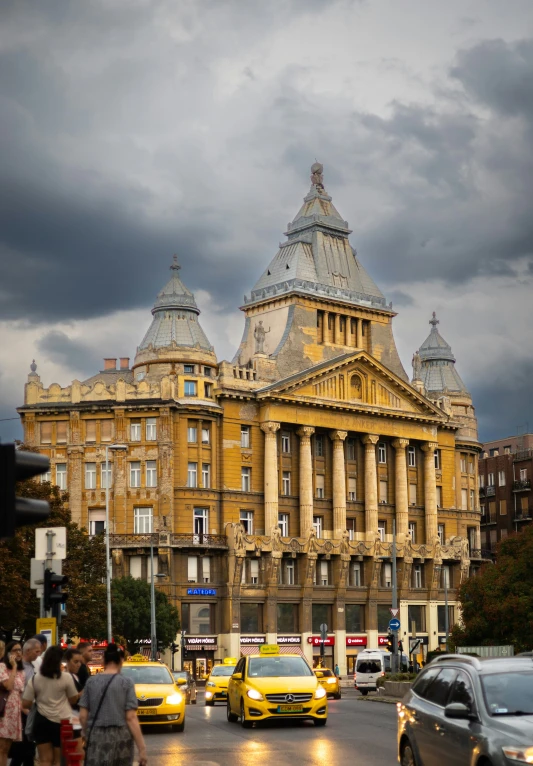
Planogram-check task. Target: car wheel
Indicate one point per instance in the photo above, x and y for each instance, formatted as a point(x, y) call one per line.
point(337, 696)
point(364, 692)
point(179, 726)
point(232, 718)
point(320, 721)
point(407, 756)
point(244, 722)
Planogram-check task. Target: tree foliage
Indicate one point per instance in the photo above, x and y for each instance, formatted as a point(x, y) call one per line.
point(131, 613)
point(497, 604)
point(84, 566)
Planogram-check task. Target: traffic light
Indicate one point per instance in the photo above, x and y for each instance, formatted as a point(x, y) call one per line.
point(16, 465)
point(390, 642)
point(400, 647)
point(53, 594)
point(174, 647)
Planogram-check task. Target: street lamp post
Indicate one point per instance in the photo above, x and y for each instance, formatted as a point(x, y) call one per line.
point(114, 448)
point(153, 630)
point(444, 573)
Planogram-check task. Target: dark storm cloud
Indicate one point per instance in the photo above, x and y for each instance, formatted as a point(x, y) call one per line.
point(513, 413)
point(75, 355)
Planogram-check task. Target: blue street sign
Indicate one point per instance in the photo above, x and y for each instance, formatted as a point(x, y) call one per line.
point(394, 624)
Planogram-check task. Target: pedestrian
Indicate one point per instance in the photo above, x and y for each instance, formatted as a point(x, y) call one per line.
point(23, 753)
point(337, 670)
point(44, 644)
point(86, 652)
point(12, 683)
point(54, 693)
point(2, 649)
point(73, 662)
point(108, 715)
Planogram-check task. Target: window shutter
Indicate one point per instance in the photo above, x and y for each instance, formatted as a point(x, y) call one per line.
point(206, 568)
point(192, 569)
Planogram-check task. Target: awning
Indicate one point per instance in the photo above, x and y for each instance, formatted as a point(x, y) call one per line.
point(247, 650)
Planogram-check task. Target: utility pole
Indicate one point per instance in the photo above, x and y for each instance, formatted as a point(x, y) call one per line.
point(395, 667)
point(153, 648)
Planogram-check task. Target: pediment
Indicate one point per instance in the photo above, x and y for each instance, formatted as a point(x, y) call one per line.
point(354, 381)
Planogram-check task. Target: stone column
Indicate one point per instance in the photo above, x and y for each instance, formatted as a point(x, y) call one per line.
point(339, 483)
point(359, 331)
point(401, 494)
point(371, 485)
point(338, 336)
point(430, 491)
point(271, 475)
point(306, 480)
point(325, 332)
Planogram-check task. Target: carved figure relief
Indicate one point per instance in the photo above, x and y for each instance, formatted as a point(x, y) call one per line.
point(417, 366)
point(259, 335)
point(356, 387)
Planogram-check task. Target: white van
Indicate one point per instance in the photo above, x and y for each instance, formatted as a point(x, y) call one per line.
point(369, 667)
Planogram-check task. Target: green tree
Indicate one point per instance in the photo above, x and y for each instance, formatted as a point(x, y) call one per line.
point(130, 600)
point(497, 604)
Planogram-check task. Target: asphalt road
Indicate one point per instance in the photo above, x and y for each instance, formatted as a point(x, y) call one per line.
point(357, 734)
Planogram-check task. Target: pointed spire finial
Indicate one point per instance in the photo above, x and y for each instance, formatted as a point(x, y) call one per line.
point(175, 265)
point(434, 321)
point(33, 366)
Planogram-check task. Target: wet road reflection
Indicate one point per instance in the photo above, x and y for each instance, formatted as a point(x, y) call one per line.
point(358, 733)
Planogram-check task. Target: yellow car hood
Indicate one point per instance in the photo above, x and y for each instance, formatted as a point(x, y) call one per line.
point(220, 681)
point(282, 685)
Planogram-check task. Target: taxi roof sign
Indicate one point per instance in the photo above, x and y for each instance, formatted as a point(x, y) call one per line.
point(269, 649)
point(137, 658)
point(230, 661)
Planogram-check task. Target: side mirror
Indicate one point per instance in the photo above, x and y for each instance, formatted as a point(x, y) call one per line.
point(181, 681)
point(457, 710)
point(319, 674)
point(237, 676)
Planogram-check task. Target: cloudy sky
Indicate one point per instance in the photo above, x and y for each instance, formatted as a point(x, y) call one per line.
point(135, 129)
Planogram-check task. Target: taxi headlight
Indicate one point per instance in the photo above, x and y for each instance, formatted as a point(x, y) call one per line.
point(320, 692)
point(175, 699)
point(210, 683)
point(332, 681)
point(254, 695)
point(519, 754)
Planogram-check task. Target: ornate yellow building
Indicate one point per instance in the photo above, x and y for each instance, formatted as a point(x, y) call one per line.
point(270, 485)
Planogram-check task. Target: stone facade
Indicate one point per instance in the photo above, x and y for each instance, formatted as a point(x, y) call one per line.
point(270, 485)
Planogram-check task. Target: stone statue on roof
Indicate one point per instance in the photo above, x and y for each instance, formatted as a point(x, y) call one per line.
point(259, 335)
point(417, 366)
point(317, 174)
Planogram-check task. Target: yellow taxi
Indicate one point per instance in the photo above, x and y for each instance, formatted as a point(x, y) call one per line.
point(329, 681)
point(270, 685)
point(216, 687)
point(159, 697)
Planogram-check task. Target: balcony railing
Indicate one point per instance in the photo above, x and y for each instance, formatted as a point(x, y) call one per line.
point(481, 553)
point(523, 516)
point(490, 491)
point(482, 491)
point(522, 485)
point(175, 540)
point(210, 541)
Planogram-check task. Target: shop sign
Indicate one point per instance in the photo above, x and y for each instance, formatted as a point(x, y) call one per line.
point(252, 640)
point(198, 643)
point(201, 591)
point(289, 640)
point(356, 640)
point(317, 641)
point(383, 640)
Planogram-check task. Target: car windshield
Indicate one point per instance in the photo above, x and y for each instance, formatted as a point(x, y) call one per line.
point(179, 674)
point(223, 670)
point(147, 674)
point(368, 666)
point(324, 673)
point(508, 693)
point(278, 667)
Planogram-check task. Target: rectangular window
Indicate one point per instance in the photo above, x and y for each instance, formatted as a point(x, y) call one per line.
point(441, 618)
point(463, 462)
point(135, 431)
point(208, 390)
point(350, 526)
point(383, 491)
point(192, 434)
point(317, 524)
point(206, 569)
point(90, 475)
point(386, 577)
point(61, 475)
point(247, 520)
point(46, 433)
point(501, 478)
point(192, 474)
point(437, 459)
point(417, 576)
point(106, 430)
point(490, 480)
point(283, 524)
point(350, 449)
point(416, 613)
point(439, 496)
point(324, 573)
point(192, 569)
point(470, 465)
point(246, 479)
point(354, 618)
point(352, 489)
point(151, 429)
point(106, 475)
point(207, 372)
point(96, 522)
point(411, 457)
point(61, 431)
point(285, 443)
point(481, 481)
point(492, 512)
point(151, 473)
point(503, 507)
point(383, 618)
point(382, 452)
point(524, 505)
point(206, 436)
point(442, 534)
point(412, 494)
point(523, 474)
point(206, 475)
point(321, 615)
point(319, 445)
point(286, 483)
point(197, 619)
point(357, 580)
point(190, 388)
point(200, 519)
point(319, 482)
point(188, 369)
point(142, 521)
point(245, 437)
point(251, 618)
point(254, 572)
point(412, 530)
point(381, 530)
point(464, 499)
point(472, 500)
point(288, 618)
point(135, 474)
point(136, 563)
point(90, 430)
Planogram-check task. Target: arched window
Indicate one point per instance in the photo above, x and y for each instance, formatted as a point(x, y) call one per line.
point(356, 387)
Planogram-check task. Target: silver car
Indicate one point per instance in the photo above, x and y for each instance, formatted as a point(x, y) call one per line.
point(465, 711)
